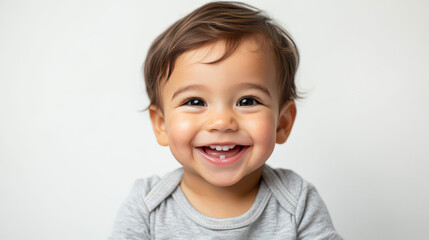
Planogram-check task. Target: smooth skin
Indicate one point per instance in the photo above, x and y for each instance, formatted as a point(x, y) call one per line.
point(223, 105)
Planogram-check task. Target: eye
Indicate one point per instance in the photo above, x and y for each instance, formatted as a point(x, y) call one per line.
point(195, 102)
point(248, 101)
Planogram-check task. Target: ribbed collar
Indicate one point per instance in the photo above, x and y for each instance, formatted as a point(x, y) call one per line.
point(245, 219)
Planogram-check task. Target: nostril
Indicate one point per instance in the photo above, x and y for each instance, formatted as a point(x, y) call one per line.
point(225, 123)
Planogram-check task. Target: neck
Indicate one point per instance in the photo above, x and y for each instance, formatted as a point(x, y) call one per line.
point(221, 201)
point(196, 187)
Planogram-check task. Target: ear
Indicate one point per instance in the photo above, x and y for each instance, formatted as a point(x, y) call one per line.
point(158, 125)
point(285, 122)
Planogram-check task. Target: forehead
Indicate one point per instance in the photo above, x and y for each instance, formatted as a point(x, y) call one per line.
point(251, 45)
point(251, 62)
point(253, 57)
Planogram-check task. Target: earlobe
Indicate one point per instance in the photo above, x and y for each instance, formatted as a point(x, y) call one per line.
point(285, 122)
point(158, 125)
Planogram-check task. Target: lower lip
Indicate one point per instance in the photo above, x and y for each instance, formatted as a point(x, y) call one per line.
point(225, 161)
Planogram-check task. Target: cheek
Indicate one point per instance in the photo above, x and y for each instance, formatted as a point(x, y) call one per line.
point(180, 131)
point(262, 128)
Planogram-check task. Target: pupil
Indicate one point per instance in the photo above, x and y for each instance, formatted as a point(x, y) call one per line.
point(196, 102)
point(246, 101)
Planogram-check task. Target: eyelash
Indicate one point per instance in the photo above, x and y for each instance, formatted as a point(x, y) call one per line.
point(193, 99)
point(256, 100)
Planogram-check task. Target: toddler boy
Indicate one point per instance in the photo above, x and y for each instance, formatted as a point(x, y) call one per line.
point(221, 88)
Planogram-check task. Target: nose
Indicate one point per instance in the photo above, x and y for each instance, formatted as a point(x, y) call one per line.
point(222, 121)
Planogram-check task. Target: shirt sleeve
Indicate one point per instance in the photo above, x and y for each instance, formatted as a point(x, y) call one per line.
point(312, 217)
point(132, 220)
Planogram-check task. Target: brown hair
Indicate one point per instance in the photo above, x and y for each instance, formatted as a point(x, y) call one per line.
point(229, 21)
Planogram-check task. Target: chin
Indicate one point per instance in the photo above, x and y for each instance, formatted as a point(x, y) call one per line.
point(223, 180)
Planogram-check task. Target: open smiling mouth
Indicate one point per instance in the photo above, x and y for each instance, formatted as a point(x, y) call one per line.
point(223, 155)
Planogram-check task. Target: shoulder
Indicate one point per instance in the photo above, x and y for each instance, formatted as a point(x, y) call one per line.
point(296, 185)
point(286, 185)
point(302, 200)
point(288, 179)
point(292, 192)
point(134, 204)
point(132, 220)
point(153, 190)
point(142, 186)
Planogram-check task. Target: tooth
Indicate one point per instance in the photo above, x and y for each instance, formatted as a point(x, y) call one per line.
point(212, 147)
point(222, 157)
point(231, 146)
point(225, 148)
point(218, 148)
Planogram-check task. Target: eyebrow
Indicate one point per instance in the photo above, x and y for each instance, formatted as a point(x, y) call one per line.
point(187, 88)
point(255, 86)
point(241, 86)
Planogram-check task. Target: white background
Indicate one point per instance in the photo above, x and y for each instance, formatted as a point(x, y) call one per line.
point(72, 139)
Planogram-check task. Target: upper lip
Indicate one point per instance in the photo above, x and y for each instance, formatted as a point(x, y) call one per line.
point(222, 144)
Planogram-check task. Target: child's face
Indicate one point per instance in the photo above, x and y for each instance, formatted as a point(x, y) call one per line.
point(233, 102)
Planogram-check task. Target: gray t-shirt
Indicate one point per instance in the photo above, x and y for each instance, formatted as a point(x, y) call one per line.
point(286, 207)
